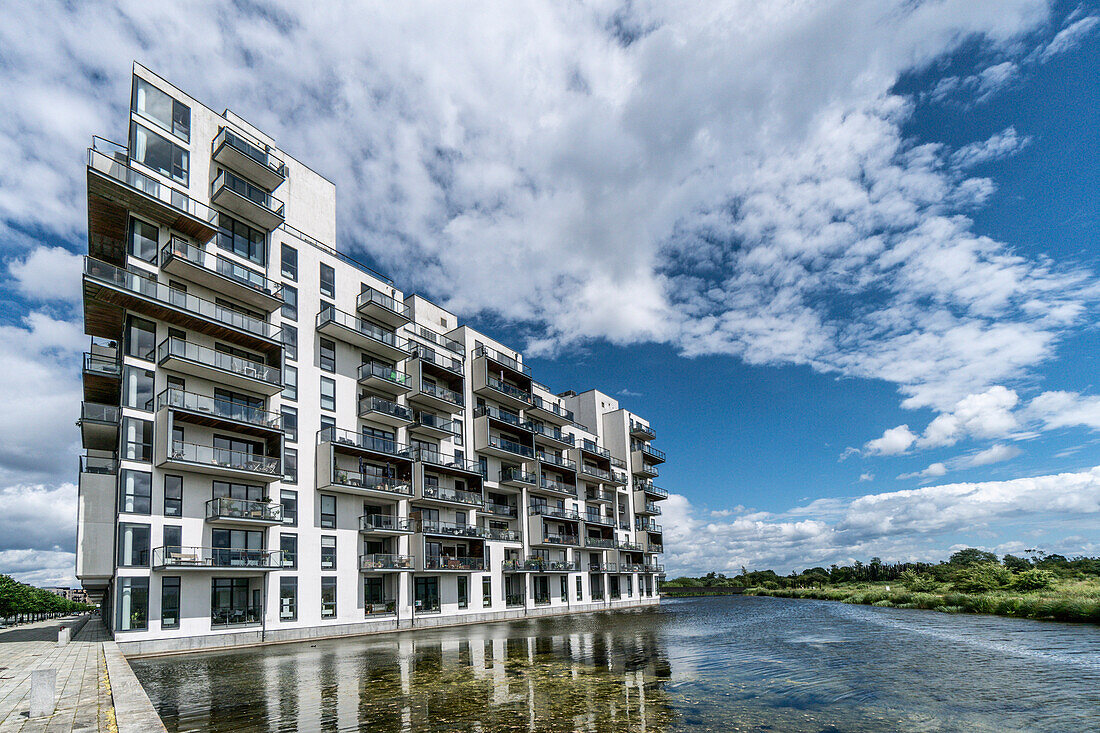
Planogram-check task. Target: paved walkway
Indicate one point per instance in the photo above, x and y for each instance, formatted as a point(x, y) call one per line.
point(87, 668)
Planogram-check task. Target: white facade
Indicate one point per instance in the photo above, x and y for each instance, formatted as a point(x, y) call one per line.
point(282, 445)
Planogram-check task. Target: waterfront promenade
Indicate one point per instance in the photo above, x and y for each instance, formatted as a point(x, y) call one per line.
point(95, 689)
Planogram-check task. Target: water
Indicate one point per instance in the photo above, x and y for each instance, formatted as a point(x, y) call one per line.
point(700, 664)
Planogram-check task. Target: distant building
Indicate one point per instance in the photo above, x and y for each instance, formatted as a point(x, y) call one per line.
point(77, 595)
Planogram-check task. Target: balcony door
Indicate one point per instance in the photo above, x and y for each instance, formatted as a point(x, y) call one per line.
point(236, 546)
point(426, 594)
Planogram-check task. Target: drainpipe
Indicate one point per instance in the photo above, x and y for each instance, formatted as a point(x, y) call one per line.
point(263, 612)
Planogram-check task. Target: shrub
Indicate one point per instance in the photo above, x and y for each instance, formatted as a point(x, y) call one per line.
point(918, 582)
point(1032, 580)
point(981, 578)
point(883, 604)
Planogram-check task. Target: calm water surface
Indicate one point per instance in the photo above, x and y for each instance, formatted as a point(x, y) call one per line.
point(706, 664)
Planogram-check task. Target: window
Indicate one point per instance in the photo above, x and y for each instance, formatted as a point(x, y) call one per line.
point(487, 591)
point(564, 588)
point(328, 511)
point(629, 585)
point(290, 302)
point(328, 281)
point(242, 240)
point(158, 153)
point(463, 592)
point(170, 603)
point(173, 496)
point(136, 492)
point(328, 553)
point(290, 263)
point(290, 465)
point(290, 383)
point(137, 388)
point(483, 466)
point(133, 604)
point(171, 114)
point(247, 492)
point(327, 421)
point(328, 355)
point(290, 422)
point(426, 595)
point(133, 545)
point(288, 599)
point(142, 241)
point(290, 341)
point(328, 596)
point(233, 601)
point(288, 545)
point(137, 439)
point(289, 500)
point(328, 393)
point(580, 589)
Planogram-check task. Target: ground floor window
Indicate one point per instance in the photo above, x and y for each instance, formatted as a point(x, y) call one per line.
point(234, 601)
point(463, 592)
point(133, 604)
point(328, 597)
point(580, 589)
point(427, 595)
point(629, 586)
point(487, 591)
point(613, 586)
point(564, 588)
point(170, 603)
point(542, 591)
point(288, 599)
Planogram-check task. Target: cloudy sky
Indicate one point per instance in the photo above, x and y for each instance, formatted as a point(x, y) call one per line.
point(843, 253)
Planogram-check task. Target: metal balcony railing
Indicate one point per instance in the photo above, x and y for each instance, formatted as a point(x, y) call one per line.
point(232, 182)
point(595, 472)
point(518, 475)
point(104, 366)
point(547, 510)
point(225, 409)
point(549, 432)
point(551, 485)
point(423, 353)
point(379, 561)
point(339, 436)
point(655, 548)
point(117, 167)
point(649, 488)
point(223, 458)
point(561, 539)
point(330, 314)
point(453, 529)
point(602, 542)
point(440, 562)
point(500, 510)
point(370, 295)
point(647, 526)
point(508, 389)
point(182, 249)
point(429, 420)
point(513, 599)
point(370, 481)
point(556, 460)
point(215, 557)
point(382, 371)
point(458, 496)
point(503, 416)
point(445, 460)
point(591, 447)
point(501, 443)
point(384, 523)
point(553, 407)
point(372, 403)
point(597, 518)
point(225, 507)
point(504, 535)
point(97, 464)
point(384, 607)
point(447, 395)
point(263, 157)
point(502, 359)
point(95, 412)
point(180, 349)
point(641, 429)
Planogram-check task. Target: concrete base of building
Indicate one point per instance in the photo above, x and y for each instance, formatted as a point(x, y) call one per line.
point(381, 625)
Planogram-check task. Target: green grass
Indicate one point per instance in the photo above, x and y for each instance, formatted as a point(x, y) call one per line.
point(1076, 600)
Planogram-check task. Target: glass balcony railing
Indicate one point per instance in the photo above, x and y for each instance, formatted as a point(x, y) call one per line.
point(552, 433)
point(102, 366)
point(503, 359)
point(423, 353)
point(223, 458)
point(641, 429)
point(258, 196)
point(547, 510)
point(508, 389)
point(246, 276)
point(597, 518)
point(553, 407)
point(445, 460)
point(442, 393)
point(371, 403)
point(225, 507)
point(503, 416)
point(98, 464)
point(441, 562)
point(382, 371)
point(561, 539)
point(513, 599)
point(384, 523)
point(600, 495)
point(381, 561)
point(500, 510)
point(95, 412)
point(261, 156)
point(370, 295)
point(558, 486)
point(501, 443)
point(556, 460)
point(517, 475)
point(655, 548)
point(119, 170)
point(590, 446)
point(595, 472)
point(603, 567)
point(432, 337)
point(503, 535)
point(428, 420)
point(215, 557)
point(339, 436)
point(453, 529)
point(180, 349)
point(370, 481)
point(225, 409)
point(649, 488)
point(601, 542)
point(647, 526)
point(653, 568)
point(160, 292)
point(652, 508)
point(628, 546)
point(649, 450)
point(538, 564)
point(330, 314)
point(458, 496)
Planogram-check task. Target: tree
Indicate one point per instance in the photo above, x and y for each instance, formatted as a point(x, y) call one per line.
point(981, 577)
point(971, 556)
point(1016, 564)
point(1033, 579)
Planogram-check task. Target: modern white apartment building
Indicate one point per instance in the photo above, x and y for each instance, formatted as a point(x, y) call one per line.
point(282, 445)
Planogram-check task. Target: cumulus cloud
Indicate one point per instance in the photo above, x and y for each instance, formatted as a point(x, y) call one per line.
point(1003, 144)
point(913, 524)
point(1059, 409)
point(47, 274)
point(893, 442)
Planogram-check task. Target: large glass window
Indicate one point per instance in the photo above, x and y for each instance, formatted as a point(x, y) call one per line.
point(487, 591)
point(328, 553)
point(288, 599)
point(290, 302)
point(248, 492)
point(290, 422)
point(427, 595)
point(463, 592)
point(242, 240)
point(328, 511)
point(234, 601)
point(328, 393)
point(143, 240)
point(290, 262)
point(290, 341)
point(328, 281)
point(136, 492)
point(289, 500)
point(137, 388)
point(133, 604)
point(328, 597)
point(173, 496)
point(290, 383)
point(170, 603)
point(328, 355)
point(288, 545)
point(137, 439)
point(158, 153)
point(141, 338)
point(133, 545)
point(290, 465)
point(171, 114)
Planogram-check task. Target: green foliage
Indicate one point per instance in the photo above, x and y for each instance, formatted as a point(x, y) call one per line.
point(19, 599)
point(971, 556)
point(1033, 580)
point(981, 578)
point(1016, 564)
point(918, 582)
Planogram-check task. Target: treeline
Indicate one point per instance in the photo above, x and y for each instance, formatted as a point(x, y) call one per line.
point(969, 570)
point(23, 602)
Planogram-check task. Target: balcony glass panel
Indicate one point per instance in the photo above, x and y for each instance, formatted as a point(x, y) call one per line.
point(384, 522)
point(518, 475)
point(339, 436)
point(237, 272)
point(223, 457)
point(441, 562)
point(257, 154)
point(228, 508)
point(385, 562)
point(119, 170)
point(508, 389)
point(446, 362)
point(447, 395)
point(502, 415)
point(216, 557)
point(501, 510)
point(181, 349)
point(371, 403)
point(370, 295)
point(359, 325)
point(453, 529)
point(496, 441)
point(445, 493)
point(557, 460)
point(388, 373)
point(502, 359)
point(553, 407)
point(192, 402)
point(232, 182)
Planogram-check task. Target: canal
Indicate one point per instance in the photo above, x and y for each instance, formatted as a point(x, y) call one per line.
point(707, 664)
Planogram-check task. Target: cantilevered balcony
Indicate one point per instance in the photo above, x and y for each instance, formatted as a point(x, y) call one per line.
point(556, 487)
point(557, 512)
point(238, 196)
point(217, 366)
point(448, 495)
point(648, 507)
point(591, 448)
point(641, 431)
point(438, 460)
point(499, 510)
point(538, 565)
point(448, 364)
point(654, 548)
point(102, 373)
point(436, 397)
point(647, 525)
point(603, 567)
point(550, 411)
point(650, 490)
point(503, 535)
point(601, 495)
point(384, 412)
point(596, 473)
point(434, 425)
point(603, 543)
point(653, 568)
point(221, 274)
point(108, 289)
point(252, 160)
point(115, 190)
point(629, 546)
point(642, 467)
point(551, 435)
point(381, 377)
point(503, 392)
point(226, 510)
point(553, 459)
point(216, 558)
point(517, 477)
point(219, 413)
point(361, 333)
point(99, 426)
point(365, 484)
point(631, 567)
point(385, 524)
point(209, 459)
point(651, 454)
point(594, 517)
point(368, 445)
point(461, 564)
point(499, 446)
point(381, 307)
point(381, 563)
point(501, 417)
point(503, 361)
point(453, 529)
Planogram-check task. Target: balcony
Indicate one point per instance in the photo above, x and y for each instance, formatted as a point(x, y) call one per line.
point(385, 524)
point(546, 510)
point(107, 287)
point(448, 363)
point(538, 565)
point(631, 567)
point(434, 425)
point(592, 449)
point(450, 495)
point(503, 360)
point(648, 508)
point(218, 461)
point(503, 535)
point(361, 333)
point(349, 441)
point(214, 412)
point(557, 539)
point(226, 510)
point(511, 600)
point(501, 447)
point(597, 473)
point(603, 567)
point(437, 397)
point(511, 476)
point(651, 490)
point(462, 564)
point(449, 463)
point(255, 163)
point(546, 433)
point(605, 543)
point(217, 558)
point(99, 426)
point(248, 201)
point(642, 467)
point(99, 465)
point(597, 518)
point(499, 510)
point(220, 274)
point(655, 548)
point(600, 495)
point(619, 477)
point(384, 378)
point(651, 453)
point(627, 546)
point(557, 487)
point(218, 367)
point(384, 412)
point(366, 484)
point(102, 374)
point(382, 308)
point(553, 459)
point(504, 417)
point(503, 392)
point(380, 563)
point(641, 431)
point(647, 525)
point(115, 189)
point(453, 529)
point(549, 411)
point(655, 569)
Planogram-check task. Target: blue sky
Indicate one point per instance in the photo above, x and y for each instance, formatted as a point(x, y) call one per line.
point(842, 254)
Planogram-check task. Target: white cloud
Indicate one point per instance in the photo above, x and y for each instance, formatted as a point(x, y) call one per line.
point(48, 274)
point(985, 415)
point(978, 87)
point(913, 524)
point(993, 454)
point(41, 568)
point(893, 442)
point(1070, 37)
point(1003, 144)
point(866, 477)
point(1058, 409)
